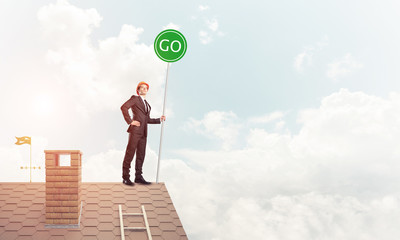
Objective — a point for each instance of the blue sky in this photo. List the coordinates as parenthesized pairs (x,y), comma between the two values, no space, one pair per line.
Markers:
(257,51)
(282,117)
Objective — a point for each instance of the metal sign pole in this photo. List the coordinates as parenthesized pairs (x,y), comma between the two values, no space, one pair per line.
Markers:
(162,124)
(168,52)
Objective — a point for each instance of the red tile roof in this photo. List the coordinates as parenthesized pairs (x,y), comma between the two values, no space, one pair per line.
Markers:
(22,212)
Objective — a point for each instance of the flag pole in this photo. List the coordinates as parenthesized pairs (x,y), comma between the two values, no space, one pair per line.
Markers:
(30,166)
(162,124)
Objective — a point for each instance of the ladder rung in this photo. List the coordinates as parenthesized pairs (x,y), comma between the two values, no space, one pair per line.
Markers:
(135,228)
(121,221)
(133,214)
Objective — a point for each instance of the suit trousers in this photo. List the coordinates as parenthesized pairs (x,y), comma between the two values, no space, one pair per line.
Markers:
(136,143)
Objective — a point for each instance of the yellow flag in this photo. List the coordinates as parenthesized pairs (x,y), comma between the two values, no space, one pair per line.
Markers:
(23,140)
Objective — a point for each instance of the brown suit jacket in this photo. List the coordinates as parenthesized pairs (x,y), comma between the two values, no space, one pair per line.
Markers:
(136,104)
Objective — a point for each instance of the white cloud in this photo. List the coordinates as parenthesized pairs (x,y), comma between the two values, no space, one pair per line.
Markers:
(66,26)
(343,67)
(307,216)
(212,24)
(104,76)
(267,117)
(107,166)
(215,124)
(104,166)
(42,104)
(203,7)
(279,125)
(305,58)
(337,178)
(205,37)
(172,26)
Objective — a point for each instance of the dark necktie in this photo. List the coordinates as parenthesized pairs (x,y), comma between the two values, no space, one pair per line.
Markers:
(146,106)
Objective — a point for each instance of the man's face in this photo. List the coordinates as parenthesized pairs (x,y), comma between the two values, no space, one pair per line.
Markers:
(143,90)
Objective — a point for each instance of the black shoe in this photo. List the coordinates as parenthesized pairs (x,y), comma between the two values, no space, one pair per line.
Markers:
(141,180)
(128,182)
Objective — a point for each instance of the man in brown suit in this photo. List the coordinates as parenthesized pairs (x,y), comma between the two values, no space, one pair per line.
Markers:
(137,133)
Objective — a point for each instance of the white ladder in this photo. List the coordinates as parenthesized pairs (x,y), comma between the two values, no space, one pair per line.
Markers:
(121,222)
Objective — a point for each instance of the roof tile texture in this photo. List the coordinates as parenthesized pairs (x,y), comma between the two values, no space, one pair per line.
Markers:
(23,212)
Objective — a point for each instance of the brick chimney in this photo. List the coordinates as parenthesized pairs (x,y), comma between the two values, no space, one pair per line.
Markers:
(63,189)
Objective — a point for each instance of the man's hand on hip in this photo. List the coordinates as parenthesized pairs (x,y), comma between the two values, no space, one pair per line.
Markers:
(135,123)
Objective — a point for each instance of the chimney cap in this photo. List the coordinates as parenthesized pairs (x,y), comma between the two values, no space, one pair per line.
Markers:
(63,151)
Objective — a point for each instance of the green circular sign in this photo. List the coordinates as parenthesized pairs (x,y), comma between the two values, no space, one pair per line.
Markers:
(170,45)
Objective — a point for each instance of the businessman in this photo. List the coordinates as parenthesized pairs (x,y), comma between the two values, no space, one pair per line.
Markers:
(137,133)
